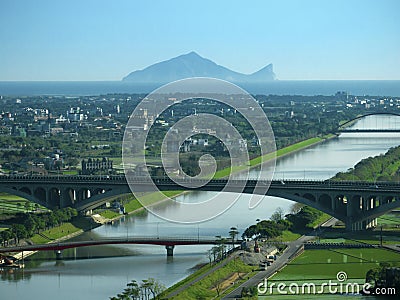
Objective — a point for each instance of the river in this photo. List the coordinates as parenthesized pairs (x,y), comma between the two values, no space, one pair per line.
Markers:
(99,273)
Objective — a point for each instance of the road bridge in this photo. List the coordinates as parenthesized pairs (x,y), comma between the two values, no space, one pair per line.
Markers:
(356,203)
(346,126)
(168,242)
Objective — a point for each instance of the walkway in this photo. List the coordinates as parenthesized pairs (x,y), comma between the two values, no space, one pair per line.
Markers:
(197,279)
(282,260)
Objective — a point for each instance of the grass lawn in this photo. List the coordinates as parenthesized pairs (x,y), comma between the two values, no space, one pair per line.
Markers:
(9,197)
(196,274)
(205,288)
(389,220)
(132,205)
(325,264)
(151,198)
(323,218)
(11,204)
(286,236)
(70,172)
(109,214)
(14,205)
(55,233)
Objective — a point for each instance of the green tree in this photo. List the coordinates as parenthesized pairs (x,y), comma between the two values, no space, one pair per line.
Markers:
(5,236)
(18,232)
(233,232)
(278,215)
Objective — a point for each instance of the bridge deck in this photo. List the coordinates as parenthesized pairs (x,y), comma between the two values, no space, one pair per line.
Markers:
(162,241)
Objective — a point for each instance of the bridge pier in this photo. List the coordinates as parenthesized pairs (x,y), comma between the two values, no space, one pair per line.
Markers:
(361,225)
(170,250)
(58,254)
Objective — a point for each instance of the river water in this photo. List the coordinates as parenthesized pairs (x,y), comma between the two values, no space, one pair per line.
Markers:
(95,273)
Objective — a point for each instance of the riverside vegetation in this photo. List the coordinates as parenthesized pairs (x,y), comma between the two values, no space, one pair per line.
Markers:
(294,120)
(370,265)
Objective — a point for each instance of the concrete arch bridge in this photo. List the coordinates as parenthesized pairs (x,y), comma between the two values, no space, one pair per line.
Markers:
(346,126)
(356,203)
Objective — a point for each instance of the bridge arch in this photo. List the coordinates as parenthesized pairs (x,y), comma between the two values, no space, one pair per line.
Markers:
(309,197)
(83,193)
(40,193)
(26,190)
(19,193)
(308,202)
(325,200)
(342,126)
(99,199)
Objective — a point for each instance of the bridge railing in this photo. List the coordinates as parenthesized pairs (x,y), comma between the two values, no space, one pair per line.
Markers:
(165,180)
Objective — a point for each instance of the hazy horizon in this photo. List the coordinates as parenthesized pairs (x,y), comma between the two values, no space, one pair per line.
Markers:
(104,41)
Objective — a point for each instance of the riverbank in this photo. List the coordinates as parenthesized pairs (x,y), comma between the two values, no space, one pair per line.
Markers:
(134,206)
(158,197)
(59,233)
(214,280)
(255,162)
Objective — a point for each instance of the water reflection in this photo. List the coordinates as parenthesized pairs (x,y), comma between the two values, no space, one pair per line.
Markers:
(94,273)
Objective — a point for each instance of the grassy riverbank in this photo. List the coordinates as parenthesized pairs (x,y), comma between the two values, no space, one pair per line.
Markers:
(77,225)
(277,154)
(133,205)
(222,280)
(11,204)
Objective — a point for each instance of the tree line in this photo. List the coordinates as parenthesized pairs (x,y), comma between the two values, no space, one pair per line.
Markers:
(272,228)
(384,167)
(148,289)
(26,225)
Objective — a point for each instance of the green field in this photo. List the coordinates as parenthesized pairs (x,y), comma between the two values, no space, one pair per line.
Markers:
(54,233)
(11,204)
(287,236)
(325,264)
(109,214)
(205,288)
(323,218)
(154,197)
(134,204)
(389,220)
(318,267)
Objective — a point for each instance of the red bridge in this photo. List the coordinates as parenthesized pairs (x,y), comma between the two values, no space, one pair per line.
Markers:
(168,242)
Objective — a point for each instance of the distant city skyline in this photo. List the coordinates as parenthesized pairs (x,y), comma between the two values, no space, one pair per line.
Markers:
(98,40)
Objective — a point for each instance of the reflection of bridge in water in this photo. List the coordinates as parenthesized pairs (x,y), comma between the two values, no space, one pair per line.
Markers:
(357,204)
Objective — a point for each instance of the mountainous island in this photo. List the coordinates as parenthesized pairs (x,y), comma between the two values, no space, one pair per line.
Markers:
(193,65)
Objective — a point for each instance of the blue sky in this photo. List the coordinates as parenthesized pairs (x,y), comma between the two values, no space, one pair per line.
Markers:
(105,40)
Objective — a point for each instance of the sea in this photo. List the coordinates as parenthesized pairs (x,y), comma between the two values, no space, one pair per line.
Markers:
(278,87)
